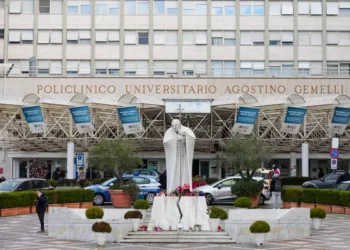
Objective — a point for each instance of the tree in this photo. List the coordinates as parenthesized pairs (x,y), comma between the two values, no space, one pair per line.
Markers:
(243,155)
(118,156)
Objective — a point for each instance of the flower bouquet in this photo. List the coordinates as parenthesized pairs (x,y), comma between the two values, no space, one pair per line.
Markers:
(157,229)
(144,228)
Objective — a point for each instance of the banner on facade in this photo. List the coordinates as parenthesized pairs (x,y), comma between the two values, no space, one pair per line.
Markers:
(185,107)
(293,120)
(130,119)
(340,120)
(246,118)
(82,119)
(35,119)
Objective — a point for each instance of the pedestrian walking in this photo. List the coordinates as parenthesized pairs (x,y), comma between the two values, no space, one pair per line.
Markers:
(320,173)
(41,206)
(276,189)
(276,170)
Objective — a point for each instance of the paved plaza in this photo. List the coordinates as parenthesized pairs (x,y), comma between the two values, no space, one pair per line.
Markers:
(20,233)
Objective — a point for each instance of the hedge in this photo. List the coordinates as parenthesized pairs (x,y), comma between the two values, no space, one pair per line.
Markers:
(296,181)
(75,182)
(291,194)
(27,198)
(308,195)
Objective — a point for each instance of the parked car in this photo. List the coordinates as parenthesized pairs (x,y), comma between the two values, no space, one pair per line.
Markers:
(220,191)
(327,181)
(149,188)
(142,172)
(24,185)
(343,186)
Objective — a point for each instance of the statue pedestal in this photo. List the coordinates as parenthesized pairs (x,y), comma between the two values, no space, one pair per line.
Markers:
(165,213)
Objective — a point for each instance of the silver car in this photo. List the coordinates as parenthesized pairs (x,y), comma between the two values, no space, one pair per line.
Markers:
(220,191)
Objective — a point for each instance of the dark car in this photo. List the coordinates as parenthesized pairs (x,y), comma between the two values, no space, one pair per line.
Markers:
(343,186)
(24,185)
(327,181)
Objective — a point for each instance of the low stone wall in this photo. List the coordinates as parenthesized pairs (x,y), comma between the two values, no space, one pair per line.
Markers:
(284,223)
(65,223)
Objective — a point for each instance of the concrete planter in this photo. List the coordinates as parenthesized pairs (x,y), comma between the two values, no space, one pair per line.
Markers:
(135,224)
(327,208)
(259,239)
(5,212)
(100,238)
(347,210)
(24,210)
(291,204)
(307,205)
(214,224)
(317,223)
(338,210)
(85,204)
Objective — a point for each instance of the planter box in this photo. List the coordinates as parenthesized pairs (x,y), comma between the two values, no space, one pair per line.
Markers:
(86,204)
(33,209)
(338,210)
(9,212)
(24,210)
(255,200)
(291,204)
(72,205)
(53,205)
(347,210)
(307,205)
(327,208)
(120,199)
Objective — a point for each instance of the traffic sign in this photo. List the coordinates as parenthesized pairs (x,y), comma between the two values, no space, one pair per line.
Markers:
(334,163)
(334,153)
(80,160)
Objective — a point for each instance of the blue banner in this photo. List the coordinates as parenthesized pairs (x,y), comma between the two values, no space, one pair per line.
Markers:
(130,119)
(34,118)
(247,115)
(341,115)
(295,115)
(82,119)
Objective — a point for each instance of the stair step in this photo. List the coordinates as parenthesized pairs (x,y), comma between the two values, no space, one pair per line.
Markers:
(148,233)
(214,241)
(175,237)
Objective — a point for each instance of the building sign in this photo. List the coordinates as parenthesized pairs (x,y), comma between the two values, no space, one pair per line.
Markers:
(340,120)
(187,107)
(130,119)
(246,118)
(79,159)
(35,119)
(82,119)
(293,120)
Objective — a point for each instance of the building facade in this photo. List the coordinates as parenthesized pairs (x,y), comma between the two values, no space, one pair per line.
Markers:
(174,50)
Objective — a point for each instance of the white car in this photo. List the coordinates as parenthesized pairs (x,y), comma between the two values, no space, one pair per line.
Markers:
(220,191)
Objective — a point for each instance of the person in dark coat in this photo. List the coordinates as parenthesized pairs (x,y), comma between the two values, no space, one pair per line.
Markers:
(320,173)
(346,176)
(2,179)
(41,206)
(162,180)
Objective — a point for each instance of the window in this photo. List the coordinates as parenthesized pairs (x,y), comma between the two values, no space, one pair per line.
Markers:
(49,36)
(227,183)
(37,184)
(21,7)
(78,37)
(310,8)
(24,186)
(109,7)
(194,37)
(194,68)
(338,38)
(165,7)
(136,68)
(227,38)
(136,7)
(284,38)
(20,67)
(50,6)
(194,8)
(252,38)
(255,8)
(161,68)
(78,67)
(165,37)
(281,8)
(313,38)
(136,37)
(107,36)
(249,68)
(281,68)
(338,8)
(2,35)
(46,67)
(343,186)
(107,68)
(223,68)
(338,68)
(82,7)
(226,8)
(21,36)
(310,68)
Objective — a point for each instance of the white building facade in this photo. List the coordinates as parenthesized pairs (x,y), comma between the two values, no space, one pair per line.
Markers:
(174,50)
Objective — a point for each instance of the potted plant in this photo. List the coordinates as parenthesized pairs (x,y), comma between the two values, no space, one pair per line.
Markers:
(135,216)
(142,205)
(216,214)
(259,228)
(248,188)
(291,197)
(196,228)
(122,196)
(243,203)
(317,215)
(117,156)
(94,213)
(101,230)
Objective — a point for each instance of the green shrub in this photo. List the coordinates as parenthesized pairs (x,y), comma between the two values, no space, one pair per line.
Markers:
(345,198)
(243,202)
(211,180)
(9,200)
(94,213)
(291,194)
(52,183)
(308,195)
(295,181)
(327,197)
(26,198)
(133,214)
(101,227)
(88,195)
(318,213)
(218,213)
(259,226)
(141,204)
(70,195)
(244,188)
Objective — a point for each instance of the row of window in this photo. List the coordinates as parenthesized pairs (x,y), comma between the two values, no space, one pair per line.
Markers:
(169,37)
(189,68)
(141,7)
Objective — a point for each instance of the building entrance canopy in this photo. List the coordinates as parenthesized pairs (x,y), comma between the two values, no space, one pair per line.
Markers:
(209,128)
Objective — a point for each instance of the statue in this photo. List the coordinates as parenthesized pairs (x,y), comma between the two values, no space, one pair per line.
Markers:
(179,147)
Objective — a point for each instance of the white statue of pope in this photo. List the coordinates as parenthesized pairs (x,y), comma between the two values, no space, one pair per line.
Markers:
(179,148)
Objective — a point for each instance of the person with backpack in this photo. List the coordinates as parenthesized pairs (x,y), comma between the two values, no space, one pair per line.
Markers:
(41,205)
(276,170)
(276,189)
